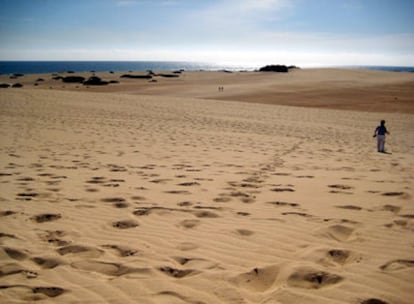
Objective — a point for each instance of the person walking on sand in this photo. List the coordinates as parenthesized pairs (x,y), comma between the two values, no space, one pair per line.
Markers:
(379,133)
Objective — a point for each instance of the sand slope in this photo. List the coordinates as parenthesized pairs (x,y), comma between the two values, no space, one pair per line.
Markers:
(110,198)
(351,89)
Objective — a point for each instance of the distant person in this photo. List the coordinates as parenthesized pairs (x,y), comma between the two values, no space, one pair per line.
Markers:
(379,133)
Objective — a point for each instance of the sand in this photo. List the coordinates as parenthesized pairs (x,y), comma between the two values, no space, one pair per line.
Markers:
(134,193)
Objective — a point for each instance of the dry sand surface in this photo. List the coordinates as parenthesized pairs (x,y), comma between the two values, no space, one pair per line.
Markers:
(131,198)
(351,89)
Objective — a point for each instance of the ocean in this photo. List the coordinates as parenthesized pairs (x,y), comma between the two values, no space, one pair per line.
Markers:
(40,67)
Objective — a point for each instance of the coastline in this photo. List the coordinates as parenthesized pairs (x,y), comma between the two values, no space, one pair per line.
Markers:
(43,67)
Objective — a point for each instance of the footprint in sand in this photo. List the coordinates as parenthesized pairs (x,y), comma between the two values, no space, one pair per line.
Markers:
(118,202)
(15,254)
(50,292)
(282,189)
(189,184)
(373,301)
(125,224)
(258,279)
(401,195)
(27,196)
(339,256)
(242,213)
(54,237)
(205,214)
(96,180)
(400,223)
(122,250)
(177,273)
(167,295)
(409,216)
(189,223)
(393,193)
(113,200)
(177,192)
(332,257)
(160,181)
(391,208)
(47,263)
(25,179)
(46,217)
(340,233)
(340,187)
(223,198)
(138,198)
(243,185)
(7,235)
(281,174)
(7,213)
(309,278)
(399,264)
(184,204)
(349,207)
(302,214)
(12,269)
(283,204)
(80,250)
(187,246)
(5,174)
(244,197)
(110,269)
(244,232)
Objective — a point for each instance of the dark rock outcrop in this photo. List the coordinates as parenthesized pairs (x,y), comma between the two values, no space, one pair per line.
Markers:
(4,85)
(136,76)
(17,85)
(16,75)
(274,68)
(73,79)
(168,75)
(95,81)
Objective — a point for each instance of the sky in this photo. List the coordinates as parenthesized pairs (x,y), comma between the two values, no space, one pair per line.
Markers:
(239,32)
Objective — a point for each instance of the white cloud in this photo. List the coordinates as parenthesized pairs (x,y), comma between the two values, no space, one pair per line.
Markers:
(239,15)
(228,56)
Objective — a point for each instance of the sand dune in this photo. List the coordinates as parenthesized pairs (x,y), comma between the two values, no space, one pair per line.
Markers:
(125,198)
(350,89)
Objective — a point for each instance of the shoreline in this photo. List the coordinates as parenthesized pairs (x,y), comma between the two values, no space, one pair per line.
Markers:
(10,67)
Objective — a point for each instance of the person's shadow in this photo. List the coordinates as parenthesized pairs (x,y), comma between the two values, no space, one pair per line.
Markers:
(385,152)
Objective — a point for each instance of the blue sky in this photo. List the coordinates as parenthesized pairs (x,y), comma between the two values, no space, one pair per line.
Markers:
(300,32)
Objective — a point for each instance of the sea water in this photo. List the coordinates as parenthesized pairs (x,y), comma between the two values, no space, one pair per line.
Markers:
(40,67)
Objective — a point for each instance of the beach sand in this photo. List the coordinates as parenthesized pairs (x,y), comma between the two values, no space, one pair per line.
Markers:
(174,192)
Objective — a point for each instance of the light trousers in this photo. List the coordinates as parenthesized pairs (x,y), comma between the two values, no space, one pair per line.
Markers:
(381,143)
